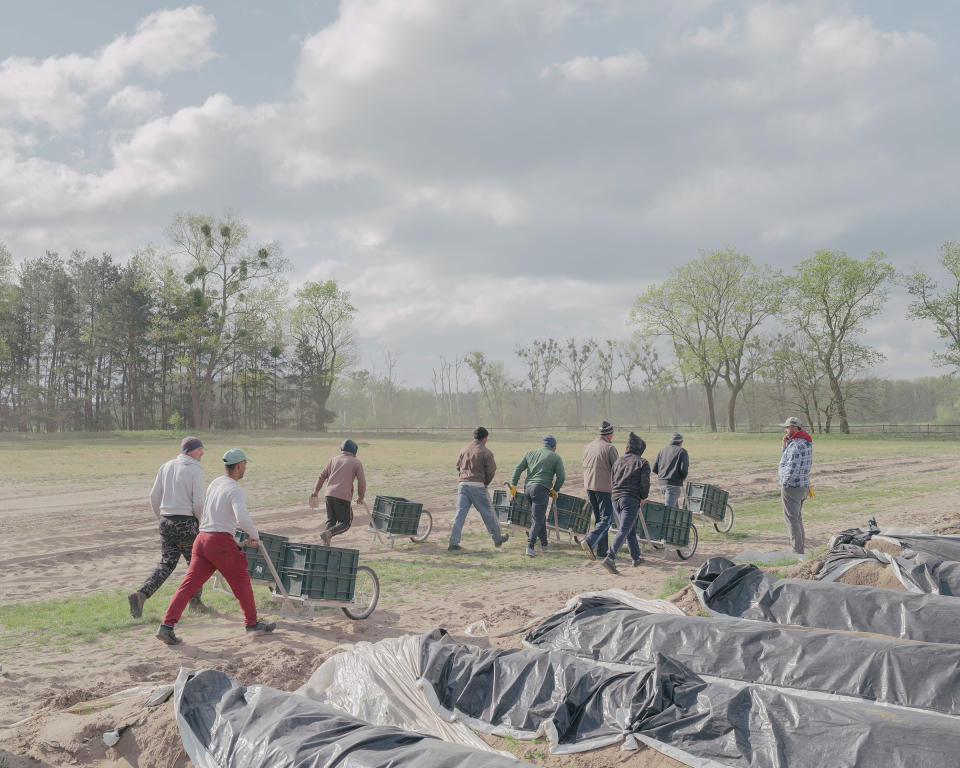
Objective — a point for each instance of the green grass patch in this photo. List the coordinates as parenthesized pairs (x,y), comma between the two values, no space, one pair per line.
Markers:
(677,581)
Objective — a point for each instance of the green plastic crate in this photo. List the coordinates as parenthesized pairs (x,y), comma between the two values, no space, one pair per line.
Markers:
(256,564)
(573,513)
(668,523)
(707,500)
(310,557)
(396,515)
(515,511)
(319,584)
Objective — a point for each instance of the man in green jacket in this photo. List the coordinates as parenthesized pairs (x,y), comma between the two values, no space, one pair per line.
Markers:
(542,466)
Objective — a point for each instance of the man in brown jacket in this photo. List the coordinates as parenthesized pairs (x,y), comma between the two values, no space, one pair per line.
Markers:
(341,471)
(476,469)
(598,460)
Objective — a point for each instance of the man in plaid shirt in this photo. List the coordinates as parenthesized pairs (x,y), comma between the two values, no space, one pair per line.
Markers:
(796,458)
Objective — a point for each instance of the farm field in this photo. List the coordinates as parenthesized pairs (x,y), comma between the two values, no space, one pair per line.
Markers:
(76,535)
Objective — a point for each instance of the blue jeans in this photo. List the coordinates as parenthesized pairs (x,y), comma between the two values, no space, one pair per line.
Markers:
(539,501)
(672,494)
(468,495)
(602,503)
(627,509)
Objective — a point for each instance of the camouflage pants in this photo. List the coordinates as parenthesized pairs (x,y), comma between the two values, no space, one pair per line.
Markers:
(176,539)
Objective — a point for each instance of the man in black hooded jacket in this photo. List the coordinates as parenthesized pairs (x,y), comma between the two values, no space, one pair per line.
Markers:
(631,486)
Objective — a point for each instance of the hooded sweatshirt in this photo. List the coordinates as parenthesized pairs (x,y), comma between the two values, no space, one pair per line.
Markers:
(631,472)
(179,488)
(796,459)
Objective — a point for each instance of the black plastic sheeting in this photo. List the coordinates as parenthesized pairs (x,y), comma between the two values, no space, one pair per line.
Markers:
(747,592)
(702,723)
(905,673)
(223,725)
(917,571)
(944,547)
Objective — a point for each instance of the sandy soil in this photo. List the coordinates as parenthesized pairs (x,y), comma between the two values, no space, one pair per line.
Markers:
(55,544)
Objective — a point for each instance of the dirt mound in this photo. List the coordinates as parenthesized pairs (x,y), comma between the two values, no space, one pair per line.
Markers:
(887,547)
(808,569)
(686,600)
(279,667)
(872,574)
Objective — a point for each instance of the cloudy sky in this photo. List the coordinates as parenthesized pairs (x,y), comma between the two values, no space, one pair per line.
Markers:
(480,173)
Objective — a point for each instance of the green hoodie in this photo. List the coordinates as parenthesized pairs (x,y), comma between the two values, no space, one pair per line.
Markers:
(541,465)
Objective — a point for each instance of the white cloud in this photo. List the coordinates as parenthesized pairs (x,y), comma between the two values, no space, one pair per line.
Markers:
(134,101)
(55,91)
(590,69)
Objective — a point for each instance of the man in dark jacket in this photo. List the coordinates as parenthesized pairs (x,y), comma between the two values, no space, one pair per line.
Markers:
(631,486)
(475,469)
(671,467)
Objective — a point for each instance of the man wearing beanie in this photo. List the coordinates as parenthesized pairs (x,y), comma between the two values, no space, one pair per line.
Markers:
(177,501)
(475,468)
(341,471)
(598,460)
(542,466)
(671,467)
(631,486)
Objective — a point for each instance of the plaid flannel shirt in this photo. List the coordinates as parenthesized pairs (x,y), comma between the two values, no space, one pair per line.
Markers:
(795,463)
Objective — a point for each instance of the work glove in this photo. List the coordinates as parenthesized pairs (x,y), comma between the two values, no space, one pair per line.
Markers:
(512,489)
(810,493)
(553,494)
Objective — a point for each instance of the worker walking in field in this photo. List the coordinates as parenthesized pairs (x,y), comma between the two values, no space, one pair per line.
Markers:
(339,474)
(177,501)
(796,459)
(671,467)
(631,487)
(215,549)
(545,476)
(598,460)
(475,469)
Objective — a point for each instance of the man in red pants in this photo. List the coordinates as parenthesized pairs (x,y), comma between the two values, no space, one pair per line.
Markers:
(214,549)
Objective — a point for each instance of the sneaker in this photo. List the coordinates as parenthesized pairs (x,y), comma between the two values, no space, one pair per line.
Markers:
(454,548)
(503,539)
(608,564)
(165,635)
(136,600)
(588,549)
(544,548)
(198,606)
(325,538)
(263,626)
(638,562)
(529,552)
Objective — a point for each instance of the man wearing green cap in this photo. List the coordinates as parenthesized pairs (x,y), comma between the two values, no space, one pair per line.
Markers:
(541,465)
(341,471)
(215,549)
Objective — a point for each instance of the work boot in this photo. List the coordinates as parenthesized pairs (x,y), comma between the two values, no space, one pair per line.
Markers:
(197,605)
(165,635)
(638,562)
(544,548)
(503,539)
(609,565)
(529,552)
(585,546)
(136,600)
(454,548)
(262,627)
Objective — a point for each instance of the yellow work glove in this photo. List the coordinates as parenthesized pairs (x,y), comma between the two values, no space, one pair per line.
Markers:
(553,494)
(512,490)
(810,493)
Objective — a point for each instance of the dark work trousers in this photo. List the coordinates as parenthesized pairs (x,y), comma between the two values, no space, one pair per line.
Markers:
(176,538)
(627,510)
(539,501)
(602,504)
(338,516)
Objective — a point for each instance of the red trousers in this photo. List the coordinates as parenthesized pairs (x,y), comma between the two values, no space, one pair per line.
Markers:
(214,552)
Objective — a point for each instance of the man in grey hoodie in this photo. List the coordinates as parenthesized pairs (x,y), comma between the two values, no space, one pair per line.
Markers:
(671,467)
(177,501)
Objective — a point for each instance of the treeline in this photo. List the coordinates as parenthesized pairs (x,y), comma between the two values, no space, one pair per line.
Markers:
(206,335)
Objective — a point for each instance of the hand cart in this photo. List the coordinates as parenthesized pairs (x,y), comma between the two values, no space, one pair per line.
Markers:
(709,503)
(565,514)
(395,516)
(671,527)
(312,576)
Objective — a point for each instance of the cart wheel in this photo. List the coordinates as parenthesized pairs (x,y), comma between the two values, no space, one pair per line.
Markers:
(687,552)
(727,523)
(423,527)
(365,594)
(576,539)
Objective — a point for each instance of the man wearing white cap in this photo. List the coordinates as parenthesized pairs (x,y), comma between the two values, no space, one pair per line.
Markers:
(215,549)
(796,459)
(177,501)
